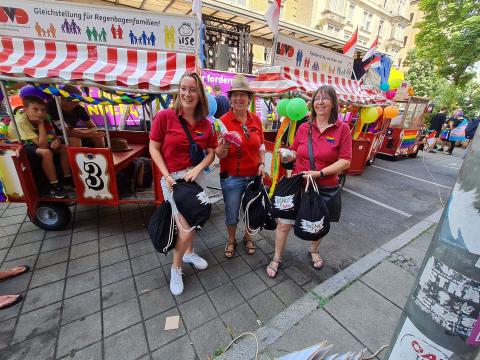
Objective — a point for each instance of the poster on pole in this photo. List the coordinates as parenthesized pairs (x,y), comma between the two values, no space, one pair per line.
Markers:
(110,26)
(294,53)
(413,344)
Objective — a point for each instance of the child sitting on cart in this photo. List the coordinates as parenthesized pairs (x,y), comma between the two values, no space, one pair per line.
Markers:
(75,114)
(39,139)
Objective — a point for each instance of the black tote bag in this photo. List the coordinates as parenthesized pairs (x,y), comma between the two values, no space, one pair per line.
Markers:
(286,197)
(162,228)
(313,220)
(253,206)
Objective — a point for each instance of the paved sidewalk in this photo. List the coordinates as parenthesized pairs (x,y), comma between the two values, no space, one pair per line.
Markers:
(356,309)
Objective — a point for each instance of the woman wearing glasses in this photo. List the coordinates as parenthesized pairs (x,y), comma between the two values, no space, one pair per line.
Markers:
(239,164)
(170,150)
(332,153)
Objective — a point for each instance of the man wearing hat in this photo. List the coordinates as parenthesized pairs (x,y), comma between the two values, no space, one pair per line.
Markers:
(239,164)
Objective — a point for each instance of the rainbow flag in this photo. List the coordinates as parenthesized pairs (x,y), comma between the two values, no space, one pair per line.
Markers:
(330,139)
(458,133)
(409,137)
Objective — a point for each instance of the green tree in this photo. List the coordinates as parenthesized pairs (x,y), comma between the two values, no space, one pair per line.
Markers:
(421,74)
(450,37)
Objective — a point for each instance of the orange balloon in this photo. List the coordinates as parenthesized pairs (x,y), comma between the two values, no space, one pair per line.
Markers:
(390,112)
(379,110)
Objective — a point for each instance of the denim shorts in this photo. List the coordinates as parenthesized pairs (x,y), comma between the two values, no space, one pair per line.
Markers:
(233,188)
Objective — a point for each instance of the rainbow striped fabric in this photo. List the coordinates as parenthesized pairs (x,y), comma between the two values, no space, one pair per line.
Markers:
(330,139)
(409,137)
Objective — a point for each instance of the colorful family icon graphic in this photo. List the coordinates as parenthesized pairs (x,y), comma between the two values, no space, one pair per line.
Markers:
(169,37)
(71,27)
(94,35)
(299,58)
(49,31)
(117,33)
(142,39)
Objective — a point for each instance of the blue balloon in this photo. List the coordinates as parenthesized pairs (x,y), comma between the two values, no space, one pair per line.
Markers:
(212,105)
(384,86)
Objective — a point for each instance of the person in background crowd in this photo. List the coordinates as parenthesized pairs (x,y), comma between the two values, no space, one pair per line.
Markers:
(74,115)
(38,135)
(332,150)
(223,106)
(170,150)
(266,107)
(436,124)
(452,123)
(239,165)
(7,301)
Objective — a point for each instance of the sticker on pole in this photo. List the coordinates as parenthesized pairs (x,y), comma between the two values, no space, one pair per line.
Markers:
(449,298)
(413,344)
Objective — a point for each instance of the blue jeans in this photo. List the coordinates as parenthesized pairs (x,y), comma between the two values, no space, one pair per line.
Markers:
(233,188)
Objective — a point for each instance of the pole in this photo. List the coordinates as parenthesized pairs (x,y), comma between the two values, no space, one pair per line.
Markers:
(62,119)
(439,320)
(274,50)
(9,109)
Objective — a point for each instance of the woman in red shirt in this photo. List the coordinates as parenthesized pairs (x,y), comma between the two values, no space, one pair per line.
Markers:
(170,150)
(332,150)
(239,164)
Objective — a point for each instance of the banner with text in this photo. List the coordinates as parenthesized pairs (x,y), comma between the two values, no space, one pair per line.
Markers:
(112,26)
(291,52)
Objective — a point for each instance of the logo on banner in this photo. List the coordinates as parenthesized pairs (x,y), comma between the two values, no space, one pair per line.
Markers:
(15,15)
(186,37)
(94,175)
(285,49)
(169,37)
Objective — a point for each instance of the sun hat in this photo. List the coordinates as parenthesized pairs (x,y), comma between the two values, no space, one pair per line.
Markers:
(119,145)
(240,83)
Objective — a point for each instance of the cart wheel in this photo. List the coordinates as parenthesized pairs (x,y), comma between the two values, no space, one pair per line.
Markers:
(414,155)
(52,216)
(342,179)
(371,161)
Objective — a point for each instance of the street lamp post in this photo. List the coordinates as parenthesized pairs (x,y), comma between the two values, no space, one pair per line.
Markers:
(440,318)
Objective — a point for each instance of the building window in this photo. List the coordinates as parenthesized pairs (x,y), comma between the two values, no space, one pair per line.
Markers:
(405,39)
(385,3)
(351,10)
(411,17)
(380,27)
(332,30)
(399,62)
(366,20)
(336,6)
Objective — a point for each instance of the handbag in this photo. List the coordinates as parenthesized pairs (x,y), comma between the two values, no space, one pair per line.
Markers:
(253,206)
(162,228)
(313,219)
(196,152)
(286,197)
(331,195)
(192,202)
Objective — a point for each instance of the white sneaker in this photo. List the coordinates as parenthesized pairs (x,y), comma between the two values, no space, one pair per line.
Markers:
(176,281)
(197,261)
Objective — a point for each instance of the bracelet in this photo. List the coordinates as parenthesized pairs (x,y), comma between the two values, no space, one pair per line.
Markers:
(168,176)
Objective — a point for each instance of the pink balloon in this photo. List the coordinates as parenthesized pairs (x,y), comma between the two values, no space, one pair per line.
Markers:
(390,94)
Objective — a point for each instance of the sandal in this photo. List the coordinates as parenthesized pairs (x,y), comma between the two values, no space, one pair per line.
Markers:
(319,261)
(229,249)
(16,271)
(250,246)
(7,301)
(274,260)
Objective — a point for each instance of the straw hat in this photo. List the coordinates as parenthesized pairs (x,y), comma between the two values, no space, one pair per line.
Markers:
(240,83)
(120,144)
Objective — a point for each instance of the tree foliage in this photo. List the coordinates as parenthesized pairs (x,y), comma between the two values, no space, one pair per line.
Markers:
(421,74)
(450,37)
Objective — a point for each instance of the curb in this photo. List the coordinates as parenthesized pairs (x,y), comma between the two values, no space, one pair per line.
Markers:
(284,321)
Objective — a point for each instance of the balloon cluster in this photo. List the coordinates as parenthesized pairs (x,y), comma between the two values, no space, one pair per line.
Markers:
(394,81)
(295,109)
(3,130)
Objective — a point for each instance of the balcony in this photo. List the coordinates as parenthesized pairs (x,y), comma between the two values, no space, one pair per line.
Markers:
(400,19)
(395,43)
(330,17)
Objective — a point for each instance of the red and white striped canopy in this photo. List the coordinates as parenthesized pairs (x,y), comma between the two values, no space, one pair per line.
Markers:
(281,79)
(125,67)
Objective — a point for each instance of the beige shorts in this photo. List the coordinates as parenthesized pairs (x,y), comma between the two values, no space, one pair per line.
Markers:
(286,221)
(168,195)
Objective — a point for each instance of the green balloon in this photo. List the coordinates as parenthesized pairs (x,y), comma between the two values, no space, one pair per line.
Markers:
(394,83)
(297,109)
(282,107)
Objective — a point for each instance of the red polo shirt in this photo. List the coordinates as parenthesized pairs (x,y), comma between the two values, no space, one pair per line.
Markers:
(175,147)
(333,144)
(243,161)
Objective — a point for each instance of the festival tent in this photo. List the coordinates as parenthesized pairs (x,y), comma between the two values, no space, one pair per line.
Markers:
(92,65)
(278,80)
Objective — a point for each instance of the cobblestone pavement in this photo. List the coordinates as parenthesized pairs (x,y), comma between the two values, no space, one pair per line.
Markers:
(99,290)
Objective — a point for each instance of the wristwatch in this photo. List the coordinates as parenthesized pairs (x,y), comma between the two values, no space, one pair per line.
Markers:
(321,174)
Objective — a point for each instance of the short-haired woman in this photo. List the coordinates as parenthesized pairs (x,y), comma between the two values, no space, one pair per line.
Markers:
(332,152)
